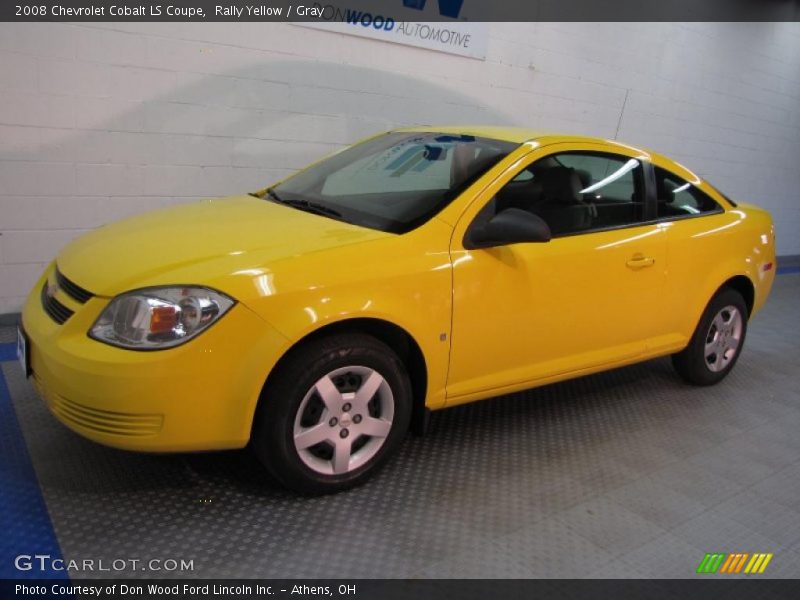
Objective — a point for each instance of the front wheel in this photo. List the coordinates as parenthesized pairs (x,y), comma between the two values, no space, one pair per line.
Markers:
(333,413)
(717,341)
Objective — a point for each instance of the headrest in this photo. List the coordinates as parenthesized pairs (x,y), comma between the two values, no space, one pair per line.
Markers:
(665,190)
(560,184)
(585,177)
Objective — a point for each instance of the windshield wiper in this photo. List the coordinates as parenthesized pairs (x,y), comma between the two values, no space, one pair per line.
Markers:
(274,195)
(313,207)
(306,205)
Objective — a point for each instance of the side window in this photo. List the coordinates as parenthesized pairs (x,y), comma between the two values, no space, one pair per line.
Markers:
(576,192)
(677,197)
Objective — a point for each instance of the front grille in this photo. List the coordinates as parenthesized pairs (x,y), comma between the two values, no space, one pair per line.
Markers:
(57,311)
(104,421)
(73,290)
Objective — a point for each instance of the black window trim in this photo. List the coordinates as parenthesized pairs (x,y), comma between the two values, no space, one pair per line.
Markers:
(650,199)
(649,194)
(650,203)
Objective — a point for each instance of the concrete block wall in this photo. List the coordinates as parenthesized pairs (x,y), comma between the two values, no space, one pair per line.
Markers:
(102,121)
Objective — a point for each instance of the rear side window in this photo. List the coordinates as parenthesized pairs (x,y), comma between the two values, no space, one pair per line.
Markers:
(679,198)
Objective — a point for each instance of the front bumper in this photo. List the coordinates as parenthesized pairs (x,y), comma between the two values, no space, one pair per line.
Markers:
(198,396)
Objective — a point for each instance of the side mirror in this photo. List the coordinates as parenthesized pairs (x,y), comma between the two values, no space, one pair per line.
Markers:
(510,226)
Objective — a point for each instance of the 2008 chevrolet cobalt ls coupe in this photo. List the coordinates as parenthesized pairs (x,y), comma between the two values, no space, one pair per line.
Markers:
(320,318)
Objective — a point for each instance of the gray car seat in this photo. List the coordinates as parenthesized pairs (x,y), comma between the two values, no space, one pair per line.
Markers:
(562,205)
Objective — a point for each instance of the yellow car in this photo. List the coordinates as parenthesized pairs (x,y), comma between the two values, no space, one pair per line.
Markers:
(319,319)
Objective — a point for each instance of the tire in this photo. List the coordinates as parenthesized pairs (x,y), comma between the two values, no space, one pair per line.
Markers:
(717,342)
(332,414)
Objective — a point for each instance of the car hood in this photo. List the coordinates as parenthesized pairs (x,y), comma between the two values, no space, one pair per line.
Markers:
(202,241)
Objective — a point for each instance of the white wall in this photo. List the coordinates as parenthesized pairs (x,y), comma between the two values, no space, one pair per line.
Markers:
(102,121)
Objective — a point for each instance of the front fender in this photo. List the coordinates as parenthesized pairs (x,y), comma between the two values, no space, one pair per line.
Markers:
(404,280)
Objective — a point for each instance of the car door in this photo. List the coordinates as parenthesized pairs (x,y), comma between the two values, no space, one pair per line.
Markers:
(526,313)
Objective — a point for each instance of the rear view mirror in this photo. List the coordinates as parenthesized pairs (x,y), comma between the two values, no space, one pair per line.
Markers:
(510,226)
(434,153)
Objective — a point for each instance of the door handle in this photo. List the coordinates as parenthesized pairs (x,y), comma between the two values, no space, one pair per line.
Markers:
(639,261)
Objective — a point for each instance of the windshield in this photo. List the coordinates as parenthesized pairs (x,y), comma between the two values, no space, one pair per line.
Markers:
(395,182)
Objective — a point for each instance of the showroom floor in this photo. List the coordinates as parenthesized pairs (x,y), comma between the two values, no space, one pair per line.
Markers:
(630,473)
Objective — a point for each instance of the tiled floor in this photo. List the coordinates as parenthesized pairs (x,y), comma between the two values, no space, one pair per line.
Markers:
(630,473)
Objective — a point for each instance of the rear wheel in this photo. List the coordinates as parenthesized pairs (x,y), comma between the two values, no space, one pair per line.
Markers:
(335,411)
(717,341)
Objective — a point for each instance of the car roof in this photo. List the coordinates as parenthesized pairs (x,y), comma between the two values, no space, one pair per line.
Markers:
(517,135)
(520,135)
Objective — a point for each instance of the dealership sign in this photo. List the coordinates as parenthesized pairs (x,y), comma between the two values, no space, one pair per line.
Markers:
(453,35)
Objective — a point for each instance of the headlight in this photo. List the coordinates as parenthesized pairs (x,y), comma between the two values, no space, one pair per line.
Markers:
(156,318)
